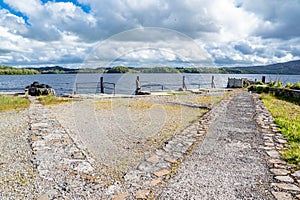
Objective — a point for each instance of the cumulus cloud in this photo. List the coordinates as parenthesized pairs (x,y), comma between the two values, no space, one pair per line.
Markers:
(149,45)
(229,32)
(279,17)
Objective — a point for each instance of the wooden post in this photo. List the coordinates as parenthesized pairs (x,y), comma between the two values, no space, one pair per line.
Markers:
(213,82)
(101,85)
(183,83)
(138,85)
(263,79)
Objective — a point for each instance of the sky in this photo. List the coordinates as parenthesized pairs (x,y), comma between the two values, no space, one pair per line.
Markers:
(135,33)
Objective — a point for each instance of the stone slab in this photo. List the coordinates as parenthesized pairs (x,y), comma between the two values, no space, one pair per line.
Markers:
(287,179)
(286,186)
(282,195)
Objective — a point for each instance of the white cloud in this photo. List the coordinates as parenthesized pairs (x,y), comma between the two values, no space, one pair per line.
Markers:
(30,8)
(232,31)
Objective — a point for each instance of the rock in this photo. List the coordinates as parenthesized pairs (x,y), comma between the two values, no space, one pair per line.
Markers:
(287,179)
(78,155)
(282,195)
(296,174)
(84,167)
(273,154)
(122,196)
(142,194)
(161,172)
(44,197)
(282,141)
(153,159)
(279,172)
(286,186)
(155,182)
(280,166)
(269,144)
(277,161)
(37,89)
(170,160)
(146,167)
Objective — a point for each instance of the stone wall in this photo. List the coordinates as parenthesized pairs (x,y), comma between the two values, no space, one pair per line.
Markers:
(285,92)
(235,82)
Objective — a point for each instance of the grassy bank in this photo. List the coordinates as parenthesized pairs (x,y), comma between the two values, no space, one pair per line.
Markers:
(12,103)
(287,116)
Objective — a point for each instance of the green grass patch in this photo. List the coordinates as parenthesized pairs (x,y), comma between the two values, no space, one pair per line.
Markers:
(12,103)
(53,100)
(287,116)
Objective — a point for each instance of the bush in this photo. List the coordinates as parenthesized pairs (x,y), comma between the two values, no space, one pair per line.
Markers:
(279,84)
(296,86)
(260,83)
(288,85)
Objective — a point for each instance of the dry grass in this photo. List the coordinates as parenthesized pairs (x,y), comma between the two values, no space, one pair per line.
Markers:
(12,103)
(52,100)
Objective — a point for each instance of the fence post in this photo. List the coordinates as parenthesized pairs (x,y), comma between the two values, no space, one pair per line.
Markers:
(263,79)
(101,85)
(183,83)
(213,82)
(138,85)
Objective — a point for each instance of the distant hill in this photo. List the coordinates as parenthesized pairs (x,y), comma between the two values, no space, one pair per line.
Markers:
(7,70)
(290,68)
(63,70)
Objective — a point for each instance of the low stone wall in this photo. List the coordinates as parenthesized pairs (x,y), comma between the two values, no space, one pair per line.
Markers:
(285,92)
(279,92)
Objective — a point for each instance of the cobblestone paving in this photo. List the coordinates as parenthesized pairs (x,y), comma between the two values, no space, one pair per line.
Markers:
(65,169)
(286,179)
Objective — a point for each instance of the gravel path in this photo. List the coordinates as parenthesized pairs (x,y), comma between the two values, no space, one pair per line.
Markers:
(16,171)
(229,163)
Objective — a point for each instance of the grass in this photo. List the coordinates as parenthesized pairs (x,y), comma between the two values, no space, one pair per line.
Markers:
(52,100)
(287,116)
(12,103)
(209,99)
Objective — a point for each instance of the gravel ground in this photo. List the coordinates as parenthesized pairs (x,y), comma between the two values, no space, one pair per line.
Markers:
(229,162)
(118,131)
(16,170)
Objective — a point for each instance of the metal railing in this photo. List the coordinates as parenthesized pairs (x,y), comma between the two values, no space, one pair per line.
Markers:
(163,87)
(95,87)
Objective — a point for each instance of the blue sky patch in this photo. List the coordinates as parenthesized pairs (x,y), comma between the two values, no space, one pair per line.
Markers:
(14,12)
(84,7)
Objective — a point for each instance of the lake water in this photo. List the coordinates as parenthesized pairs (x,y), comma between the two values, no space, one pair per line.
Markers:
(126,83)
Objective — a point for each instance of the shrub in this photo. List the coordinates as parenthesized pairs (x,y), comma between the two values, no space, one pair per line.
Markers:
(296,86)
(288,85)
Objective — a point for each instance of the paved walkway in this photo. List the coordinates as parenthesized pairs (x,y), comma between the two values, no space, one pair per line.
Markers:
(229,163)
